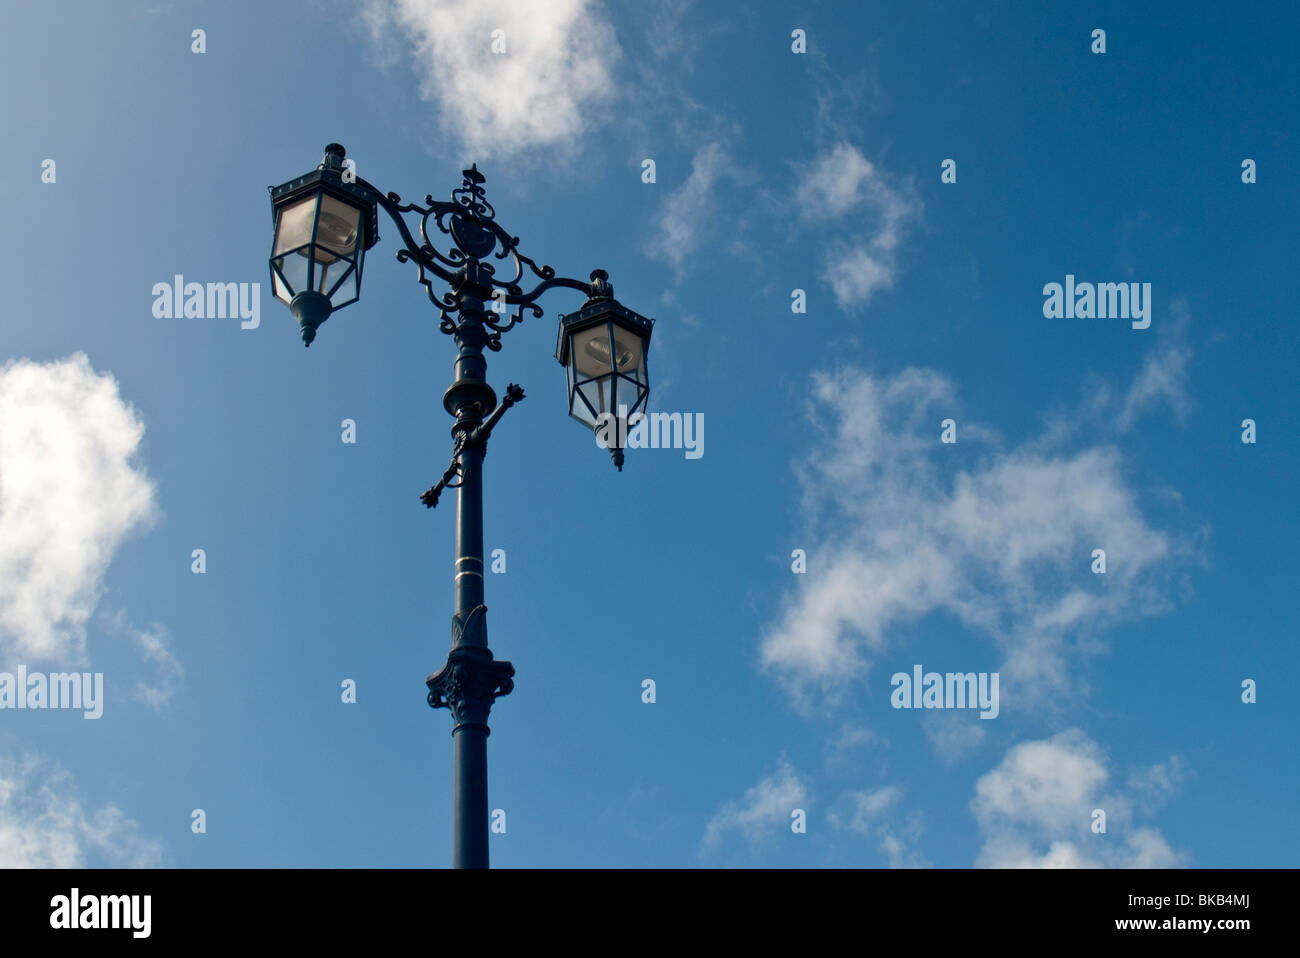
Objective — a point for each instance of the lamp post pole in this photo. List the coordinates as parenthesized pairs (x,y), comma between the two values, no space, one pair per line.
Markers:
(325,220)
(472,678)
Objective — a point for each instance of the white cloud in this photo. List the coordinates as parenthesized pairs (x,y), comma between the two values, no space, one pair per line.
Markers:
(544,91)
(953,733)
(70,493)
(1163,378)
(44,825)
(670,39)
(1153,785)
(854,736)
(871,804)
(1003,545)
(836,182)
(1035,811)
(857,272)
(839,182)
(763,811)
(154,645)
(685,214)
(873,815)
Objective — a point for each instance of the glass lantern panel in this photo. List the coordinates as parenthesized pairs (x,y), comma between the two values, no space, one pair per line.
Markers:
(345,289)
(631,394)
(636,374)
(338,231)
(629,350)
(577,406)
(293,270)
(598,393)
(579,411)
(282,292)
(294,226)
(327,273)
(590,350)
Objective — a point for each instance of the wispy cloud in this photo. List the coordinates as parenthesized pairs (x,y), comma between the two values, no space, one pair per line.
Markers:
(763,812)
(836,182)
(854,736)
(70,492)
(874,815)
(1035,810)
(1001,541)
(841,182)
(558,69)
(1163,379)
(953,733)
(681,225)
(44,825)
(154,645)
(669,38)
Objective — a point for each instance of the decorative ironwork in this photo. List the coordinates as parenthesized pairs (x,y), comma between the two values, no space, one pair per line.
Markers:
(472,624)
(468,222)
(472,195)
(471,680)
(477,436)
(430,496)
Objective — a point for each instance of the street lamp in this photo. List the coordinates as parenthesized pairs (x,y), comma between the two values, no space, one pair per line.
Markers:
(323,227)
(603,347)
(324,223)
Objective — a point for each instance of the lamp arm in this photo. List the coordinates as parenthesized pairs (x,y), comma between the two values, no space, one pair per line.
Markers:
(421,254)
(544,285)
(449,267)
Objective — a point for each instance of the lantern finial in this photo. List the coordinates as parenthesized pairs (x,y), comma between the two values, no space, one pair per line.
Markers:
(601,288)
(335,154)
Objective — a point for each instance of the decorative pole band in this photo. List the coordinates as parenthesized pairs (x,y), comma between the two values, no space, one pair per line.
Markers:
(468,685)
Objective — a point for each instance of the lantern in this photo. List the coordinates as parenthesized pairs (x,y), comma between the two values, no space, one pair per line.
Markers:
(603,347)
(323,227)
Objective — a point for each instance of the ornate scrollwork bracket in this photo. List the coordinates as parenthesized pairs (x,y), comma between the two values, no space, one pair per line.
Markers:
(472,235)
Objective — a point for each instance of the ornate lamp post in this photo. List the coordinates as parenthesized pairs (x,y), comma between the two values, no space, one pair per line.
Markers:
(324,223)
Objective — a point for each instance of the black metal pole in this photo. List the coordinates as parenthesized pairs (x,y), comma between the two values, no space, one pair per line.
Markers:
(472,678)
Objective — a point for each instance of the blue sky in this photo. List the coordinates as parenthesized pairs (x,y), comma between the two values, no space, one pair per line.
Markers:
(127,441)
